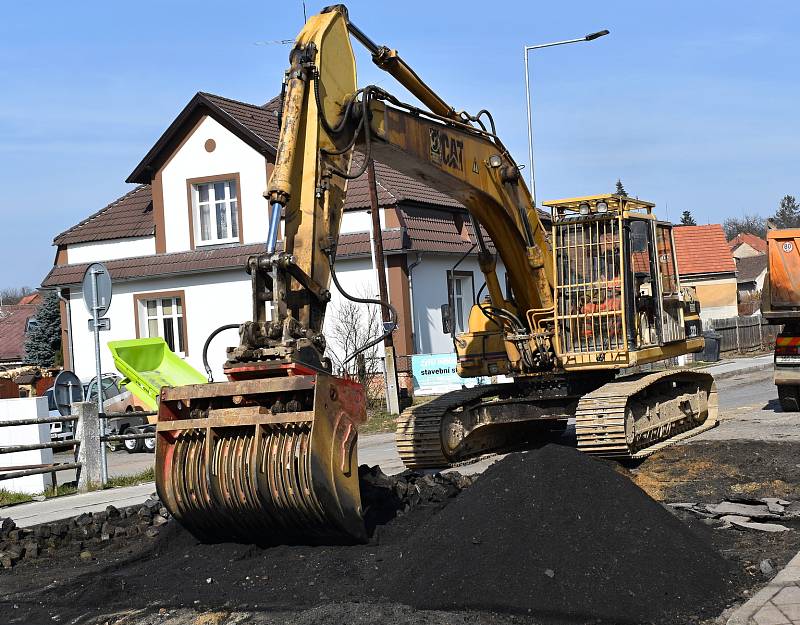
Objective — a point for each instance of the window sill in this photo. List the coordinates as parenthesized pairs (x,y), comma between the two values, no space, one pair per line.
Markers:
(217,243)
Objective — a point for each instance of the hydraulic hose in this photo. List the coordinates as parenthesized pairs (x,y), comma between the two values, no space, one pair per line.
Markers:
(229,326)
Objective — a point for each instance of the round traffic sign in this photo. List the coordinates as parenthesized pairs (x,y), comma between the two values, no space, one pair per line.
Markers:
(67,389)
(97,278)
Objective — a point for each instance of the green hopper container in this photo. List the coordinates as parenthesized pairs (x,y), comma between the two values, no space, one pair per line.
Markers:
(148,365)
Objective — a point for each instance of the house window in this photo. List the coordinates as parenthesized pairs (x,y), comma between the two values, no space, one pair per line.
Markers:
(163,316)
(216,211)
(461,297)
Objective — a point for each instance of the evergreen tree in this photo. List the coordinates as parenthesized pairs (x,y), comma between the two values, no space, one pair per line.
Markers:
(687,219)
(43,341)
(620,189)
(788,213)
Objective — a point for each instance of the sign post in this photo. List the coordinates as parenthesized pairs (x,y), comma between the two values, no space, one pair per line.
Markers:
(97,297)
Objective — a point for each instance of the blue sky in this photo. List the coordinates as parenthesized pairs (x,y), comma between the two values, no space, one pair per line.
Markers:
(693,104)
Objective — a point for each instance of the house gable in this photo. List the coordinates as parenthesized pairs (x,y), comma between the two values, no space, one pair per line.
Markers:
(208,153)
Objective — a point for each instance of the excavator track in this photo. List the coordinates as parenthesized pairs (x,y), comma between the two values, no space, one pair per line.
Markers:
(419,429)
(606,426)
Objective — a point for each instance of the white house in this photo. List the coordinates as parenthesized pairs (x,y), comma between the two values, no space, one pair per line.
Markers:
(176,244)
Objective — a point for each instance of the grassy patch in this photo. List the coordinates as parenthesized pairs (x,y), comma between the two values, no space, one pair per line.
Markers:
(8,497)
(11,497)
(148,475)
(378,421)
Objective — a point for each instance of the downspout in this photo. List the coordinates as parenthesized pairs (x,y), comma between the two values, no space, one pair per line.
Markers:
(411,302)
(69,329)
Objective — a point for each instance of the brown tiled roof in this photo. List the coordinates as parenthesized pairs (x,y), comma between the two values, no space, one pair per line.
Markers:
(757,243)
(393,187)
(159,264)
(750,268)
(208,259)
(703,250)
(432,230)
(260,120)
(358,243)
(12,330)
(129,216)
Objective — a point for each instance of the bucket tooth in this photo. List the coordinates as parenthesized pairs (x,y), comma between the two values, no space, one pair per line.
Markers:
(240,472)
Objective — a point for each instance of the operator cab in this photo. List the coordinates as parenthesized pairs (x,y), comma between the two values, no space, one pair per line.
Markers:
(617,286)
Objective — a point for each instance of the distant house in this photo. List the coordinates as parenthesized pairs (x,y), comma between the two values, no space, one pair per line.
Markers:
(746,245)
(705,262)
(177,243)
(14,320)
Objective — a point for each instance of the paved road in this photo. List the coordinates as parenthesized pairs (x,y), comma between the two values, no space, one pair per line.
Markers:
(749,409)
(119,463)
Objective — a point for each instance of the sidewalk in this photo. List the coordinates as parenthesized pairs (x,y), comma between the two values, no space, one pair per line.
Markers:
(738,366)
(58,508)
(778,603)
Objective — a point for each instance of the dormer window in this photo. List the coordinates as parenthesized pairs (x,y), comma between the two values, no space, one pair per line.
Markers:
(216,212)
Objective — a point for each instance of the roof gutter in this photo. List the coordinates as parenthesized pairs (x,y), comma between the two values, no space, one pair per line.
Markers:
(69,327)
(411,302)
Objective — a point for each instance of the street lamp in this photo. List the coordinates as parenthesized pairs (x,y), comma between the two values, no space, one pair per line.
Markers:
(589,37)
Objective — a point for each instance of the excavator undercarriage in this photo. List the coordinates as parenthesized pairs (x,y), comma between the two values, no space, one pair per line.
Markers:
(630,417)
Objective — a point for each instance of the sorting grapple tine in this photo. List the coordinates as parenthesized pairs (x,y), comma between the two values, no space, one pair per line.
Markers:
(229,468)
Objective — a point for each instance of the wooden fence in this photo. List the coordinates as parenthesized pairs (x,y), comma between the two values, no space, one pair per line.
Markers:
(744,334)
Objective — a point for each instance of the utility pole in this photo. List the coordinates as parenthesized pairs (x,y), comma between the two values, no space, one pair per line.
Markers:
(390,363)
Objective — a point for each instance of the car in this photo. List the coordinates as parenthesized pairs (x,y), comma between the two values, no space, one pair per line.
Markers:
(118,401)
(61,430)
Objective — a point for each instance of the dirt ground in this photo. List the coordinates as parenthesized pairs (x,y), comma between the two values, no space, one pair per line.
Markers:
(171,579)
(707,472)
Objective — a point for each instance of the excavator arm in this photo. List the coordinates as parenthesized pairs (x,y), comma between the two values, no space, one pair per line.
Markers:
(324,120)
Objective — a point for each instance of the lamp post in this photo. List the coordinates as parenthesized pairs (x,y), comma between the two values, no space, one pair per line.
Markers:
(589,37)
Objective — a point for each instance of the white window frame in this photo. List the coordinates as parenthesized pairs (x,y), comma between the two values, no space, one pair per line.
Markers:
(145,318)
(232,223)
(462,302)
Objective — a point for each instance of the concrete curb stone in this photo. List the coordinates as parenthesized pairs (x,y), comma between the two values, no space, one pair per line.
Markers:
(789,576)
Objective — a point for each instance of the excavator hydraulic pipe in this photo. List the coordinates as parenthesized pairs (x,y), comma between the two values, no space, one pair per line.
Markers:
(274,226)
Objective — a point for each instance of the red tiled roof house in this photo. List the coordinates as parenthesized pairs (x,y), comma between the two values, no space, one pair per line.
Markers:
(706,263)
(176,243)
(746,245)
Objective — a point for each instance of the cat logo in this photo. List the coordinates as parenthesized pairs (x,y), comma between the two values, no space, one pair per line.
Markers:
(446,151)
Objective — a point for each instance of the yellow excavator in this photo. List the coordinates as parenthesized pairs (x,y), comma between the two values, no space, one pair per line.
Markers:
(270,455)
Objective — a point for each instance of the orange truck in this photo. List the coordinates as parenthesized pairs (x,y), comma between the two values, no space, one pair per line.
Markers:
(781,305)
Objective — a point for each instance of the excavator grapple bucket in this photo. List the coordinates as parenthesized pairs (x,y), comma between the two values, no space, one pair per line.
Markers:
(264,460)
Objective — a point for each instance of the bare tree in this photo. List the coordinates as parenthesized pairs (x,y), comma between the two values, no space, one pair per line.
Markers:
(12,295)
(754,224)
(352,326)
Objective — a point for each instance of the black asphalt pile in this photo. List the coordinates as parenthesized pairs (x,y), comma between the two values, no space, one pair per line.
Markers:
(562,537)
